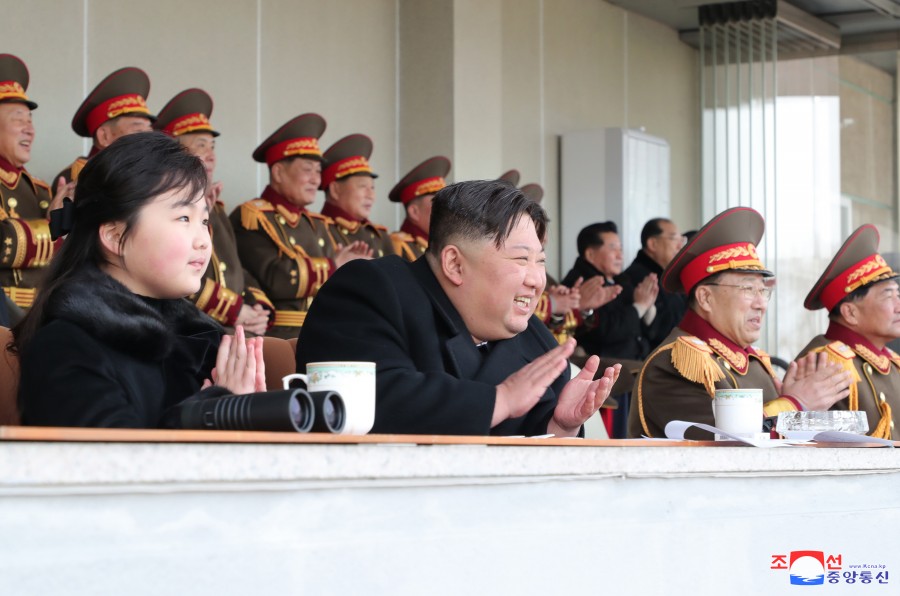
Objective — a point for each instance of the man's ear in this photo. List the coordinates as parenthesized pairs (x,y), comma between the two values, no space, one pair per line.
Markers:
(412,210)
(111,237)
(850,313)
(276,173)
(652,245)
(452,264)
(703,296)
(332,189)
(103,135)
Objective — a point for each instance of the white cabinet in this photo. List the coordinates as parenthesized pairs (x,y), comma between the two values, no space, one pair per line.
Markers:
(611,174)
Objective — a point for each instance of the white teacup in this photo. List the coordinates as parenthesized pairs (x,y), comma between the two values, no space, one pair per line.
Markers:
(739,411)
(355,381)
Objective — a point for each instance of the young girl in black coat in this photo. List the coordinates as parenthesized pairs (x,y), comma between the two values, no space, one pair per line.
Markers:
(110,340)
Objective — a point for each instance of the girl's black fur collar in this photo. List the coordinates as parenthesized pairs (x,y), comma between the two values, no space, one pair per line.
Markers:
(143,327)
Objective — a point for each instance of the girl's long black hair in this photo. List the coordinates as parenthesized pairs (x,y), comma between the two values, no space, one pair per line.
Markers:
(113,187)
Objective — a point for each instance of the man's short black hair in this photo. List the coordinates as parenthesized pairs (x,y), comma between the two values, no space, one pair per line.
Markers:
(592,235)
(709,281)
(858,294)
(480,210)
(652,229)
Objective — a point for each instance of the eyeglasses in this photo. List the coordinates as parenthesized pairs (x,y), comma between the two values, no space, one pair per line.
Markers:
(750,292)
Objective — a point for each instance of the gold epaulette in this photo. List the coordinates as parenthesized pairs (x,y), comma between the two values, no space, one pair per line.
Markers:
(693,359)
(379,228)
(840,353)
(253,217)
(400,241)
(76,168)
(251,211)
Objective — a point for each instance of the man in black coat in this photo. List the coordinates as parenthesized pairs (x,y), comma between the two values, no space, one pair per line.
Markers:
(660,242)
(453,336)
(615,329)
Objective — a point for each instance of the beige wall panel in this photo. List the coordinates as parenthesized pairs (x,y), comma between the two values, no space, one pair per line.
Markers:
(426,81)
(868,77)
(477,85)
(584,65)
(521,80)
(48,36)
(663,99)
(188,44)
(338,59)
(583,86)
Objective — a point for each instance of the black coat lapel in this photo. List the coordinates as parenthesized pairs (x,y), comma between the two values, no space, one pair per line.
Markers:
(460,354)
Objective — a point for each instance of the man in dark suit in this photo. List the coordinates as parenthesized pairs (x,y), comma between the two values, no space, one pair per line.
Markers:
(660,242)
(457,348)
(617,328)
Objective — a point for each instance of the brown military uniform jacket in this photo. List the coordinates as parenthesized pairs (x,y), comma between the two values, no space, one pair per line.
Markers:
(288,251)
(225,287)
(877,372)
(71,172)
(348,230)
(410,242)
(24,233)
(679,379)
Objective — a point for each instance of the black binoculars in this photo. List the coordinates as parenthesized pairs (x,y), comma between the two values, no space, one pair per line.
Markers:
(292,410)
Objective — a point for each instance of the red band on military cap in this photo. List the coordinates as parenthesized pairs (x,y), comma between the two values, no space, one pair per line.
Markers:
(189,123)
(292,147)
(12,90)
(721,258)
(115,107)
(422,187)
(852,278)
(356,164)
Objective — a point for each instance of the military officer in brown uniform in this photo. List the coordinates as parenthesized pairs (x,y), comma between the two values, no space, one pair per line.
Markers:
(289,250)
(24,200)
(860,292)
(116,107)
(711,348)
(415,191)
(225,295)
(349,185)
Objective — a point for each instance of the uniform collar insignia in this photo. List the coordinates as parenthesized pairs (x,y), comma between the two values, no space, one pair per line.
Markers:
(289,211)
(348,225)
(333,211)
(347,221)
(738,358)
(9,174)
(880,359)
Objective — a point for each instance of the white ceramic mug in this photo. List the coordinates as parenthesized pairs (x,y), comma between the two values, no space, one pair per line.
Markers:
(355,381)
(739,411)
